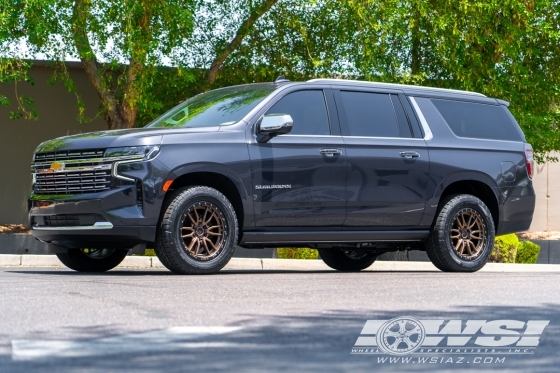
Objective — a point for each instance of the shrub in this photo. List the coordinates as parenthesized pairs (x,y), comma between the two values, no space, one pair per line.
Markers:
(297,253)
(527,252)
(149,252)
(505,249)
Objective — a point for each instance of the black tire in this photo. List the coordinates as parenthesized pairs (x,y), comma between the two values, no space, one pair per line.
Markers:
(448,232)
(90,260)
(198,252)
(347,260)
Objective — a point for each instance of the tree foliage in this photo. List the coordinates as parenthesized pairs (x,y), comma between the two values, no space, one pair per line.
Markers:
(121,44)
(509,49)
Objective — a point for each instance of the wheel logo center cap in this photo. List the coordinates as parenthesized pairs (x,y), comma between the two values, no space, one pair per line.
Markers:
(199,231)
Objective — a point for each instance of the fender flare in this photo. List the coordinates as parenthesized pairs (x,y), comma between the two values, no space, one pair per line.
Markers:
(210,167)
(465,176)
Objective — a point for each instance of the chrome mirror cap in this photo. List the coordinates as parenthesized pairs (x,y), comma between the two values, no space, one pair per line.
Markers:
(276,123)
(273,125)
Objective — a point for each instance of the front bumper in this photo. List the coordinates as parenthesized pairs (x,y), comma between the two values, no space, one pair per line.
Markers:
(117,237)
(109,219)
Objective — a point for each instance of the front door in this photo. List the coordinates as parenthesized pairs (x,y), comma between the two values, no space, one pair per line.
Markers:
(387,167)
(299,179)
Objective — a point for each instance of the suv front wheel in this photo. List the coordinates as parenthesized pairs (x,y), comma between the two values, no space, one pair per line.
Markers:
(198,231)
(462,238)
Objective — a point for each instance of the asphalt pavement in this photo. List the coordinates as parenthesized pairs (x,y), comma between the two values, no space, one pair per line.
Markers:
(149,320)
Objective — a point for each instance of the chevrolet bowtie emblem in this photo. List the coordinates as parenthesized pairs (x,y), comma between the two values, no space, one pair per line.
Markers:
(55,166)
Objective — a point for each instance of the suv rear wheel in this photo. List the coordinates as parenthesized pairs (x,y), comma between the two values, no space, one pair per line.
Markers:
(462,238)
(92,260)
(198,231)
(347,260)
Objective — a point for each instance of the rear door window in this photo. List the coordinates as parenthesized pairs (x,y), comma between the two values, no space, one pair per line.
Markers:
(480,121)
(370,114)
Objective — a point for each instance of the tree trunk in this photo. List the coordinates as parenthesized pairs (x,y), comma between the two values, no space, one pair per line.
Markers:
(415,57)
(242,32)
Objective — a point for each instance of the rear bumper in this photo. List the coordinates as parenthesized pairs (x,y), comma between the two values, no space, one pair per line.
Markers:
(516,213)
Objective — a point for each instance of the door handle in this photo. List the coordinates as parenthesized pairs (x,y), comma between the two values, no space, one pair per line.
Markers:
(410,155)
(330,152)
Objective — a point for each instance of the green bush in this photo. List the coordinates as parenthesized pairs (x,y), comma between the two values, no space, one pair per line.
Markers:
(508,249)
(527,252)
(505,249)
(297,253)
(150,252)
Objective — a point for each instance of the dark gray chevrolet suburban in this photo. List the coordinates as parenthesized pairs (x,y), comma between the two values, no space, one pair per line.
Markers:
(353,169)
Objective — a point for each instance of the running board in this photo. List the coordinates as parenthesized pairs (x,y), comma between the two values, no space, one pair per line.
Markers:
(292,238)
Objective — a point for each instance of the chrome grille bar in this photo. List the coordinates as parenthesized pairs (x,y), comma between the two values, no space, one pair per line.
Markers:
(73,172)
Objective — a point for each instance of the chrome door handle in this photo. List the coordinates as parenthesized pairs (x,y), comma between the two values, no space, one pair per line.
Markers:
(330,152)
(410,155)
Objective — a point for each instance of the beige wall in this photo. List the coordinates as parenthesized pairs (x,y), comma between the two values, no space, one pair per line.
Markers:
(547,187)
(18,138)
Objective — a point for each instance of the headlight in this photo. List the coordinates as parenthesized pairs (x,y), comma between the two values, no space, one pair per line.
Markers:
(140,152)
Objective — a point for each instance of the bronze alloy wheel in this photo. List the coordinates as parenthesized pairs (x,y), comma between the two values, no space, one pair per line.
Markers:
(468,233)
(203,231)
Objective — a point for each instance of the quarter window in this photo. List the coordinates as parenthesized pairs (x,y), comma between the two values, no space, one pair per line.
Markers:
(480,121)
(308,111)
(370,114)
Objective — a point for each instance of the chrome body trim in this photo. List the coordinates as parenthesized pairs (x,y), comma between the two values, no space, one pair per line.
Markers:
(98,225)
(116,166)
(427,131)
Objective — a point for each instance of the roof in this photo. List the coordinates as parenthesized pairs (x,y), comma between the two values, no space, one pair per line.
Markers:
(396,86)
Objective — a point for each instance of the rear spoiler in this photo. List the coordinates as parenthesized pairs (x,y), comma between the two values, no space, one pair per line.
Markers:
(502,102)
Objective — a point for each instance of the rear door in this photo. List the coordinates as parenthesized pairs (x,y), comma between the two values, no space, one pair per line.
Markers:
(387,159)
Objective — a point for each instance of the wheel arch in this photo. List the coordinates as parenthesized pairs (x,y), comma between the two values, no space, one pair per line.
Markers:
(216,176)
(478,185)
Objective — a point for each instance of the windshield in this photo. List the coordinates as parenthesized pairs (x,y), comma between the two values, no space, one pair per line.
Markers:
(220,107)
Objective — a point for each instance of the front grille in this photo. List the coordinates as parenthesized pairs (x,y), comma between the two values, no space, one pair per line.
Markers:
(72,172)
(69,154)
(67,220)
(73,181)
(62,221)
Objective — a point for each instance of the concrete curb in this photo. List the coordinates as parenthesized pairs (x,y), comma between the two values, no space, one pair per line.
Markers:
(252,264)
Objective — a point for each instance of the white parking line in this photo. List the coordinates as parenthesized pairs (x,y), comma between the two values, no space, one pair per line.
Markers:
(157,340)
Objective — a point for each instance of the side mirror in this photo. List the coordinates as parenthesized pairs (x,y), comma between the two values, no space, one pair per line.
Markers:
(273,125)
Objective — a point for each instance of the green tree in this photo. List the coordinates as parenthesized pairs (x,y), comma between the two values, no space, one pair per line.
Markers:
(509,49)
(121,44)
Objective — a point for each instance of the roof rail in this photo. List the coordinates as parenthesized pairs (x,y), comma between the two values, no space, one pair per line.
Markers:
(400,86)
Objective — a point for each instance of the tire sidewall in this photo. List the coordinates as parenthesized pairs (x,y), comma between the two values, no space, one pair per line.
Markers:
(474,204)
(75,259)
(228,245)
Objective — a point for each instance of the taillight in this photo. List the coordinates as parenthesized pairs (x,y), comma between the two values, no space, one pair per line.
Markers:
(529,159)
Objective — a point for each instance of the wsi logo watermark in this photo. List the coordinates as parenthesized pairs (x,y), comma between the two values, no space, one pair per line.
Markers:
(407,335)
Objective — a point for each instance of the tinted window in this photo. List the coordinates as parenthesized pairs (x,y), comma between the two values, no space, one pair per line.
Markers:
(370,114)
(308,111)
(401,116)
(479,121)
